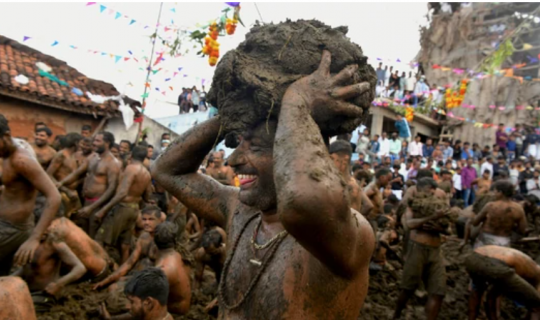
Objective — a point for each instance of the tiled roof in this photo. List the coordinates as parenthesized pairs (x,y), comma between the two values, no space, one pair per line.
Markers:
(18,59)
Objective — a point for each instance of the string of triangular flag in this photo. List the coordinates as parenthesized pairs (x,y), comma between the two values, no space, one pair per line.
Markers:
(172,27)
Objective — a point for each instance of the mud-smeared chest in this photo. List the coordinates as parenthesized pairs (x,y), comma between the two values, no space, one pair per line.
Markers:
(293,281)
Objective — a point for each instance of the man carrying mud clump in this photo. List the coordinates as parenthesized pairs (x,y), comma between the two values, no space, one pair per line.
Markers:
(284,102)
(500,218)
(424,259)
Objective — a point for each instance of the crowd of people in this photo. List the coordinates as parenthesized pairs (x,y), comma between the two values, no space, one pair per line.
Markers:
(289,228)
(192,99)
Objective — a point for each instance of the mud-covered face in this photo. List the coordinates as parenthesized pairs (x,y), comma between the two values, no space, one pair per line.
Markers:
(341,161)
(136,308)
(150,222)
(86,147)
(253,162)
(115,152)
(99,144)
(124,148)
(41,139)
(218,158)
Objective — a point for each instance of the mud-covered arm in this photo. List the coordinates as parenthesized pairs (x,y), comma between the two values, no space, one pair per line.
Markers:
(124,268)
(197,226)
(417,223)
(176,170)
(32,171)
(69,258)
(74,176)
(481,216)
(113,172)
(312,200)
(121,192)
(55,164)
(522,225)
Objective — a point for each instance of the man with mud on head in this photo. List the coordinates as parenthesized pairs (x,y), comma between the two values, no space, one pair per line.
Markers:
(500,218)
(222,173)
(341,152)
(22,177)
(291,193)
(424,259)
(373,192)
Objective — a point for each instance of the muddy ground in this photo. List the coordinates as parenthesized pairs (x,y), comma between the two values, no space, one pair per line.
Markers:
(80,302)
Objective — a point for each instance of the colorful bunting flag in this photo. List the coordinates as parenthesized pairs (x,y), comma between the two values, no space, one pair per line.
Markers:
(55,43)
(144,96)
(26,38)
(102,8)
(90,3)
(118,15)
(132,22)
(117,58)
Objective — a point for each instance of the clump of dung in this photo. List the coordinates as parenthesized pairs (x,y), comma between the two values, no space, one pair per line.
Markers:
(425,204)
(249,82)
(482,201)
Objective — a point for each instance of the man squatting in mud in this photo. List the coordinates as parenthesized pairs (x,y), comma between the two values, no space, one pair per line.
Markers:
(284,191)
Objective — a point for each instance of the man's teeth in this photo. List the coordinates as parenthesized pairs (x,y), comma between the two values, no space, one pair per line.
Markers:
(246,177)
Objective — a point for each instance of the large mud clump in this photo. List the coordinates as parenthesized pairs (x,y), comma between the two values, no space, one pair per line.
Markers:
(424,205)
(250,81)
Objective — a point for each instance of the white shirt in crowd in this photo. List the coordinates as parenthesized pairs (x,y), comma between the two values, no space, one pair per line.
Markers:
(387,77)
(415,148)
(409,83)
(362,145)
(456,178)
(487,166)
(534,187)
(384,149)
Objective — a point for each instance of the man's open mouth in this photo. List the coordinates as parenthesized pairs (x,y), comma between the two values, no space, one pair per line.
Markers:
(246,179)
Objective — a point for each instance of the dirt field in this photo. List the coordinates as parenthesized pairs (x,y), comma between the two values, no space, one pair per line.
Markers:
(80,302)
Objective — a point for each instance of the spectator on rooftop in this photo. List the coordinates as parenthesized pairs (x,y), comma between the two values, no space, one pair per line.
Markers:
(410,83)
(403,83)
(381,73)
(402,126)
(387,77)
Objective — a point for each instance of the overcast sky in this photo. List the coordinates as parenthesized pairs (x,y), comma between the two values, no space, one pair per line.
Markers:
(385,30)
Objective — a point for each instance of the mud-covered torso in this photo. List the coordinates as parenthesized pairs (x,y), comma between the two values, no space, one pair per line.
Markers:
(96,181)
(294,284)
(18,198)
(501,220)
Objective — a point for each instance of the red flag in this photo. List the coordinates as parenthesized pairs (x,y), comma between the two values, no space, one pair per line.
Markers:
(159,58)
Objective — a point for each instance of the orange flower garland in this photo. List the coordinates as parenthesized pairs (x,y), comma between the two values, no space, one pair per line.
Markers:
(409,113)
(455,98)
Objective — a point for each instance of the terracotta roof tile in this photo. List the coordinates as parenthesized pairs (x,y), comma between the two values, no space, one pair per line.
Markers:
(16,58)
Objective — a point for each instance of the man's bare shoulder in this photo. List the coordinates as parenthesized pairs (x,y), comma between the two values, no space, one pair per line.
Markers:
(22,159)
(363,227)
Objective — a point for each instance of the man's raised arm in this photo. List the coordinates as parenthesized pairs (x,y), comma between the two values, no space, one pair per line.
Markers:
(312,198)
(176,170)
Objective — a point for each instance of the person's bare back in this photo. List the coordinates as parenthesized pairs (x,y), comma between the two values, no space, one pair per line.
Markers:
(89,252)
(503,217)
(16,302)
(177,273)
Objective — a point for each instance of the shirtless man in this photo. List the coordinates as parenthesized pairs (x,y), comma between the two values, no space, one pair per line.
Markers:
(101,180)
(341,152)
(170,261)
(16,302)
(120,214)
(44,152)
(373,192)
(85,151)
(144,251)
(509,272)
(223,174)
(22,177)
(483,183)
(43,273)
(63,164)
(284,190)
(147,292)
(124,148)
(212,253)
(424,258)
(500,218)
(94,258)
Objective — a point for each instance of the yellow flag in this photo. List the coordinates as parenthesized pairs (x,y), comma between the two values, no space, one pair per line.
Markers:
(527,46)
